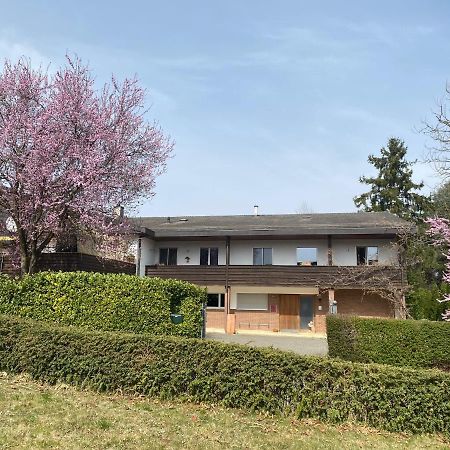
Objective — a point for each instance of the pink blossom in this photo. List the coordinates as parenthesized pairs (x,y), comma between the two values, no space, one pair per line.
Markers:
(70,153)
(440,230)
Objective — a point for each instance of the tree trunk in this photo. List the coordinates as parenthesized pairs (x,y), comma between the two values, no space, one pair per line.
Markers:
(28,263)
(30,253)
(33,263)
(24,264)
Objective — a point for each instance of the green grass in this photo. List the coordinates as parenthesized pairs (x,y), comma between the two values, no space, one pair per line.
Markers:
(34,416)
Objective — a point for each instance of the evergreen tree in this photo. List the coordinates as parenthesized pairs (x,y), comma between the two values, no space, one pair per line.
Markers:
(441,201)
(393,189)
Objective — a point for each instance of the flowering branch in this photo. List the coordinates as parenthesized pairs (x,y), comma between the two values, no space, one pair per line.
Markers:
(440,231)
(69,154)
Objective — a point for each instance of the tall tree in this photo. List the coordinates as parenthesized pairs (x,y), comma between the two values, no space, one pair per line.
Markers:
(439,131)
(69,154)
(439,156)
(392,189)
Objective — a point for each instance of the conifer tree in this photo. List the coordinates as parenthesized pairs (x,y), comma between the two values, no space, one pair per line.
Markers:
(393,189)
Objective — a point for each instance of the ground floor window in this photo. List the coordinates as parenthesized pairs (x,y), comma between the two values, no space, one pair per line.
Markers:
(216,301)
(258,302)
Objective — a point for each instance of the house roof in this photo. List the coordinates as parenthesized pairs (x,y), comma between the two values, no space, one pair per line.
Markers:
(360,223)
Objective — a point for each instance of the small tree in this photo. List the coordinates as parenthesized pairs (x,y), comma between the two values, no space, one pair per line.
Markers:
(440,230)
(70,153)
(392,189)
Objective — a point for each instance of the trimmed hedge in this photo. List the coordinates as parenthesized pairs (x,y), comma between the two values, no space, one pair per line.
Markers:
(386,397)
(410,343)
(105,302)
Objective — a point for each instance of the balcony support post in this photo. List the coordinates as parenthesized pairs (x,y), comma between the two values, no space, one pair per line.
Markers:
(329,250)
(230,319)
(332,306)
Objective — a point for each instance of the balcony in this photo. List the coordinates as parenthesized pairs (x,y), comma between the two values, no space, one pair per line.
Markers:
(317,276)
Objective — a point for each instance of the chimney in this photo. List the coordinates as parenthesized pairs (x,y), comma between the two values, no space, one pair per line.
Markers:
(255,210)
(118,212)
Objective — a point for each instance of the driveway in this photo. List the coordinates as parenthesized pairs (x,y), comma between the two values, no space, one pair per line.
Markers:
(304,345)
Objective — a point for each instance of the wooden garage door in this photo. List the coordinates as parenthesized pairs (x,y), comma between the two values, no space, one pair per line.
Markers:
(289,312)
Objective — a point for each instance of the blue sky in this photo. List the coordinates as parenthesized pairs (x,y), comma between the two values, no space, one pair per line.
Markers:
(276,103)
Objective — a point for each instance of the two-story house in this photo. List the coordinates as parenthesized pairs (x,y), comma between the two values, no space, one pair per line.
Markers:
(278,272)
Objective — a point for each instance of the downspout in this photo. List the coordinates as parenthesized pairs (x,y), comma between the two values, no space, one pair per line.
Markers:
(401,314)
(230,319)
(227,265)
(330,250)
(138,257)
(332,307)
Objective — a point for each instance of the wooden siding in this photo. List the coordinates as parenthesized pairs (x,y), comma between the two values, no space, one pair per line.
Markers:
(318,276)
(72,262)
(289,312)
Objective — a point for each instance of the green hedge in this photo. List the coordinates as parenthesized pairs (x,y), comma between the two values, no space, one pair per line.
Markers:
(105,302)
(413,343)
(391,398)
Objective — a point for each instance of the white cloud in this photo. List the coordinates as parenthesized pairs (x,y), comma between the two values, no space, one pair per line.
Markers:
(425,30)
(291,48)
(14,48)
(386,34)
(160,99)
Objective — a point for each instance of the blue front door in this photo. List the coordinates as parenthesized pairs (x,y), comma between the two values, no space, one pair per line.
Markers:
(306,312)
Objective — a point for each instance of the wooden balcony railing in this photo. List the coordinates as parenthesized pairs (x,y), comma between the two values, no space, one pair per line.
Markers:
(320,276)
(71,262)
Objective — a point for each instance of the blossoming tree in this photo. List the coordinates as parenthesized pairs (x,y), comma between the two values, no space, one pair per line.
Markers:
(70,153)
(439,156)
(440,230)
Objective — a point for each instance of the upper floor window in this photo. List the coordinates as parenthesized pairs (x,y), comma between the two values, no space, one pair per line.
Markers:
(262,256)
(168,256)
(306,256)
(366,256)
(209,256)
(216,301)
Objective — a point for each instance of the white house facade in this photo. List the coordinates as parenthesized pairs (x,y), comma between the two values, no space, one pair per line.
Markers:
(278,272)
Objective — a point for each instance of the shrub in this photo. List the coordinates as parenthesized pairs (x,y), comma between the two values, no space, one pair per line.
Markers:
(422,302)
(391,398)
(413,343)
(108,302)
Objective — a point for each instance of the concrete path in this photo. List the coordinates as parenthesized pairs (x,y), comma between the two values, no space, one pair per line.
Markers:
(304,345)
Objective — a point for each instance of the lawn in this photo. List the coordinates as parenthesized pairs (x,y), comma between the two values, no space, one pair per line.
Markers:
(33,415)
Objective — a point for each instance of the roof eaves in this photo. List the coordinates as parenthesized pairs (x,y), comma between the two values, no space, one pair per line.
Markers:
(275,232)
(145,232)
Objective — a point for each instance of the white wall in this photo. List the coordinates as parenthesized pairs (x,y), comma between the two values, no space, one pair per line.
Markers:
(190,249)
(147,254)
(284,251)
(344,251)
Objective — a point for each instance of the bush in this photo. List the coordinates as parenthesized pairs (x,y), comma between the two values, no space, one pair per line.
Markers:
(413,343)
(107,302)
(391,398)
(422,302)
